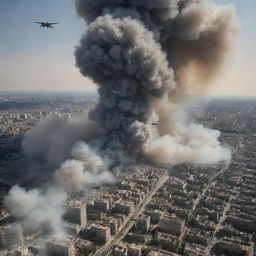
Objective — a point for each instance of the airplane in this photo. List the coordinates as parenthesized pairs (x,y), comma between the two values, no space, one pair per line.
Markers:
(45,24)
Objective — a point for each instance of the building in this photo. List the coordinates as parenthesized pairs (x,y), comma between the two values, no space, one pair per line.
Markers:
(72,229)
(100,233)
(120,250)
(23,116)
(242,224)
(232,248)
(101,205)
(136,238)
(176,183)
(143,224)
(197,236)
(134,250)
(112,223)
(194,250)
(124,207)
(76,213)
(167,242)
(84,247)
(60,247)
(171,225)
(11,237)
(125,185)
(155,215)
(144,182)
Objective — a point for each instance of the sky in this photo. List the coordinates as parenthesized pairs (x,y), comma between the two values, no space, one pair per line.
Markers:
(34,58)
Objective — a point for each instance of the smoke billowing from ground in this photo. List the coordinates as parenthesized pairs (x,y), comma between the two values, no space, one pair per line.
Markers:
(42,210)
(142,54)
(37,210)
(51,140)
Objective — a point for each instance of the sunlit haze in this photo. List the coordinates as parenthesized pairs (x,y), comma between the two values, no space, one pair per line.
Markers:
(34,58)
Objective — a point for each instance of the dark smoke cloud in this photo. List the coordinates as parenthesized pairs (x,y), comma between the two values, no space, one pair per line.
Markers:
(196,35)
(140,52)
(133,69)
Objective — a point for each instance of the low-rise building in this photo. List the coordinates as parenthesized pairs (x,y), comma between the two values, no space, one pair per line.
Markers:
(84,247)
(120,250)
(155,215)
(101,233)
(225,246)
(101,205)
(72,229)
(171,225)
(76,213)
(197,236)
(134,250)
(142,224)
(194,250)
(136,238)
(60,247)
(112,223)
(166,241)
(124,207)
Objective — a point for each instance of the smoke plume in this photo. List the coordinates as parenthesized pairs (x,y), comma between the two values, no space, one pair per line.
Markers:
(142,54)
(37,210)
(42,209)
(51,139)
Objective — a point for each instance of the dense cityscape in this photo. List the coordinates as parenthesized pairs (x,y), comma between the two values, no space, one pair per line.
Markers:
(149,210)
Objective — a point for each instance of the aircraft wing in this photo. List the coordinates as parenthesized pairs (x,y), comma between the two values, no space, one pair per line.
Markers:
(53,23)
(37,22)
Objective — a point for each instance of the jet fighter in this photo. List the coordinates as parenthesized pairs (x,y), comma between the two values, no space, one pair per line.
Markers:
(46,24)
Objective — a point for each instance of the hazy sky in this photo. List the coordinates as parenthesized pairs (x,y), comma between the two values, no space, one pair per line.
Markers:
(37,58)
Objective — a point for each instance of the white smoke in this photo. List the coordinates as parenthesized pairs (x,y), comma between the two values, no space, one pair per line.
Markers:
(182,141)
(45,140)
(86,168)
(42,210)
(37,210)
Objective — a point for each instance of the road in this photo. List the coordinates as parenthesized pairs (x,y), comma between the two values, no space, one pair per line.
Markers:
(223,217)
(197,201)
(107,248)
